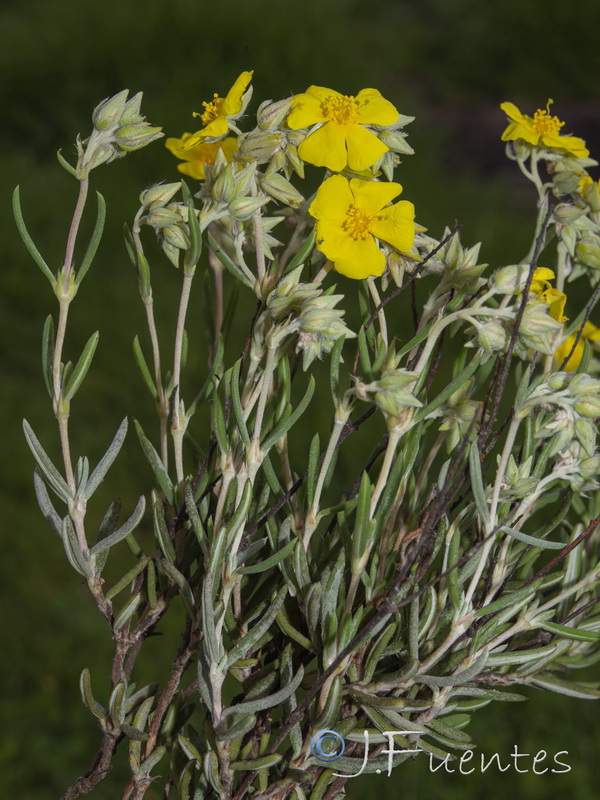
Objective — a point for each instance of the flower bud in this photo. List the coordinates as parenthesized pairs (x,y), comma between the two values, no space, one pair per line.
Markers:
(224,188)
(511,280)
(131,112)
(134,137)
(492,337)
(160,194)
(270,115)
(590,467)
(588,252)
(108,113)
(281,189)
(244,207)
(396,142)
(588,405)
(566,213)
(260,146)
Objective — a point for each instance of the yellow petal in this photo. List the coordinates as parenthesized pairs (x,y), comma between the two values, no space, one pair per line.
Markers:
(233,100)
(512,111)
(396,225)
(326,147)
(372,196)
(364,148)
(572,144)
(194,169)
(556,303)
(563,351)
(517,130)
(333,200)
(306,111)
(361,259)
(332,240)
(591,332)
(218,127)
(373,109)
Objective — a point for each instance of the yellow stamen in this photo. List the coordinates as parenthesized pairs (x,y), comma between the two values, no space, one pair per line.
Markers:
(357,223)
(212,110)
(543,123)
(340,109)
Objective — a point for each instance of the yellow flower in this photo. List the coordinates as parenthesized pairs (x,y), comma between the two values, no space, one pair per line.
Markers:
(541,129)
(217,112)
(341,138)
(200,154)
(351,215)
(590,332)
(543,290)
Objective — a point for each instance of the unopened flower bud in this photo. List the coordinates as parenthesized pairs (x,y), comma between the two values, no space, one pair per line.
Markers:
(511,280)
(566,213)
(224,188)
(108,113)
(131,112)
(281,189)
(270,115)
(160,194)
(133,137)
(397,142)
(588,405)
(260,146)
(492,337)
(244,207)
(590,467)
(588,252)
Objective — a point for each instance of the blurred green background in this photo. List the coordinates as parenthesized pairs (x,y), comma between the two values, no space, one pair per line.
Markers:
(449,63)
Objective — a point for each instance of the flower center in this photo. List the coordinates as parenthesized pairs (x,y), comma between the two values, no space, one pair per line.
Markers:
(340,109)
(212,110)
(357,223)
(543,123)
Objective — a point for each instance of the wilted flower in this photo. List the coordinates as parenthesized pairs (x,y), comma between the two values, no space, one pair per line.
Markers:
(351,215)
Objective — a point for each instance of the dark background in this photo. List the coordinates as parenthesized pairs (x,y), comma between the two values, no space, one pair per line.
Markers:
(448,63)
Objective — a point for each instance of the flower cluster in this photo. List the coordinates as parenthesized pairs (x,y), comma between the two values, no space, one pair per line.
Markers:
(324,128)
(119,128)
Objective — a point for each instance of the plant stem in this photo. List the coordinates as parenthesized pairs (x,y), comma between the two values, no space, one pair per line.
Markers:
(177,428)
(74,229)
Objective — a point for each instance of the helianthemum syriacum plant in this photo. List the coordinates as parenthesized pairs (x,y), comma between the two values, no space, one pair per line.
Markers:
(322,592)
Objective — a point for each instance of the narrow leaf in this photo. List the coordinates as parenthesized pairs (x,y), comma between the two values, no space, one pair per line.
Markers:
(227,262)
(124,530)
(48,511)
(285,425)
(48,353)
(143,367)
(269,562)
(247,642)
(533,540)
(82,366)
(184,588)
(107,459)
(270,700)
(156,464)
(27,240)
(94,240)
(52,475)
(477,483)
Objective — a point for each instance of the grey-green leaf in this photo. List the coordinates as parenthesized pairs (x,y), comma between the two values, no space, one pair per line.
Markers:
(107,459)
(124,530)
(82,366)
(52,475)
